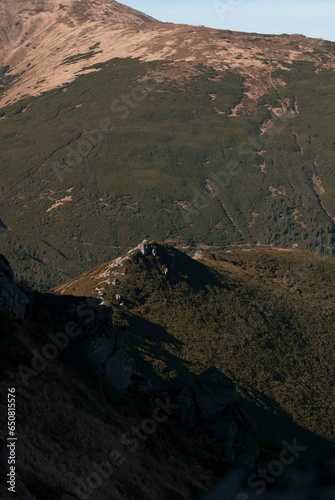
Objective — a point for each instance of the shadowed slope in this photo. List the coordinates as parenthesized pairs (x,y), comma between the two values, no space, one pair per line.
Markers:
(265,318)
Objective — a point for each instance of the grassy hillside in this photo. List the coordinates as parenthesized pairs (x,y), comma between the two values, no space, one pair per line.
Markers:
(264,317)
(170,164)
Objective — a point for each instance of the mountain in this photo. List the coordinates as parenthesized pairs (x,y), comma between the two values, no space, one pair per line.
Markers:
(46,44)
(116,127)
(263,317)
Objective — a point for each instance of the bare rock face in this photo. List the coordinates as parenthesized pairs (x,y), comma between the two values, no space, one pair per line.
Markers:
(12,299)
(100,348)
(211,400)
(106,357)
(152,249)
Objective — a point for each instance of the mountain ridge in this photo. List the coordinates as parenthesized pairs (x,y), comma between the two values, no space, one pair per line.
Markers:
(250,313)
(160,131)
(50,31)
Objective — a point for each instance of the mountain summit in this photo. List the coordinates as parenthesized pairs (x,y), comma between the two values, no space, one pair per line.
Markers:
(36,36)
(46,43)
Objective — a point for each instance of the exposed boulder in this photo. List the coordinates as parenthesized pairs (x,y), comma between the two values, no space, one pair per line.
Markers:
(12,299)
(145,248)
(166,261)
(100,347)
(104,356)
(210,399)
(3,225)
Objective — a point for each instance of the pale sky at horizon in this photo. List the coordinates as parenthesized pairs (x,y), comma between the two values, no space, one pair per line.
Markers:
(308,17)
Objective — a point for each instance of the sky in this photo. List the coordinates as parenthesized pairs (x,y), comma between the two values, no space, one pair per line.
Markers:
(308,17)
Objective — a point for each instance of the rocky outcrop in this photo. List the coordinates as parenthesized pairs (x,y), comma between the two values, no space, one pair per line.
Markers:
(166,262)
(210,399)
(3,225)
(12,299)
(99,348)
(104,356)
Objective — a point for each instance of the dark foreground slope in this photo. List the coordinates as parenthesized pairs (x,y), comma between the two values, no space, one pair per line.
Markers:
(114,398)
(90,423)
